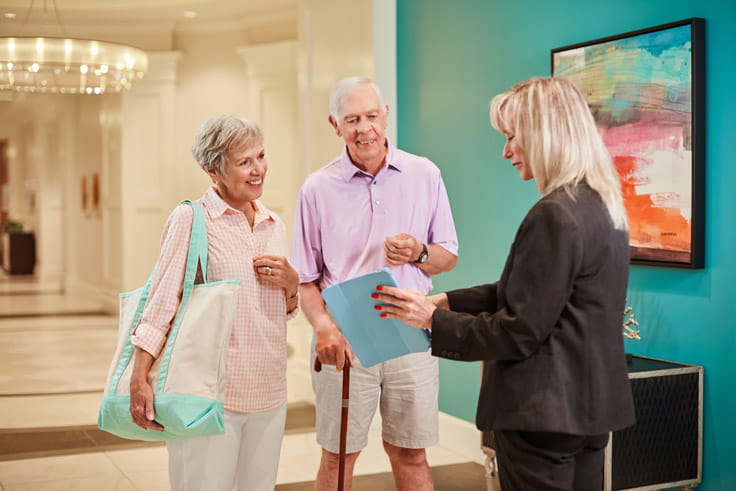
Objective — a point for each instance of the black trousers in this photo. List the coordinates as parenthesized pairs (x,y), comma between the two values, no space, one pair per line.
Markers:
(543,461)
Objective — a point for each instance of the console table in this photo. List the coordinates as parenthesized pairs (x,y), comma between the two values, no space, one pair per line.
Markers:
(664,449)
(19,252)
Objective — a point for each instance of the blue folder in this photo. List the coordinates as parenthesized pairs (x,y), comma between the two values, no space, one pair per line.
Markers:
(374,339)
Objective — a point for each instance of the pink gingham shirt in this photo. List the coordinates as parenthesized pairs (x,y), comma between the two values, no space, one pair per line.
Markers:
(256,357)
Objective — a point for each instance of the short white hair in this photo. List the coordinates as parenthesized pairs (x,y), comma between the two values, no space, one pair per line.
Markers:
(347,86)
(218,134)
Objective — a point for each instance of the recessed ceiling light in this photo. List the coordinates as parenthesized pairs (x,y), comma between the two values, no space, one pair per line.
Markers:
(9,15)
(190,14)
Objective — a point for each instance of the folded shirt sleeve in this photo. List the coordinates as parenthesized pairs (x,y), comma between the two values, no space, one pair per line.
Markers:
(167,285)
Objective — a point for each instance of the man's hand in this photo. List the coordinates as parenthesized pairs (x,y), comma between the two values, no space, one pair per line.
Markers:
(401,249)
(332,348)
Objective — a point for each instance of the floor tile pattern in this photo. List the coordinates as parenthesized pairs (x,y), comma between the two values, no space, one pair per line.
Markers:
(55,350)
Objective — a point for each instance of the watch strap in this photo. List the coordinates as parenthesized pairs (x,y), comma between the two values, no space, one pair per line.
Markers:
(423,256)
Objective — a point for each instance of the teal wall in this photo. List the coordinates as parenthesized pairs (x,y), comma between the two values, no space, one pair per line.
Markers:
(453,56)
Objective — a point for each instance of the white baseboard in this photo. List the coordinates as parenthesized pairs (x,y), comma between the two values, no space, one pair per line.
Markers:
(461,437)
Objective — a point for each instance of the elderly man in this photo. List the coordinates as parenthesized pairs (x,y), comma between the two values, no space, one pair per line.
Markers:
(375,206)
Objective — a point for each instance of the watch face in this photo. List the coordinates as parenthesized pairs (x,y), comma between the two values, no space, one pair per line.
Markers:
(423,256)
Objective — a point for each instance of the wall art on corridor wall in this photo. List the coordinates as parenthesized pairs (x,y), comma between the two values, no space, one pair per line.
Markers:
(646,91)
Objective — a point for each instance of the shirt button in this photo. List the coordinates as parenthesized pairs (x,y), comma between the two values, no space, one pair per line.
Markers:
(378,201)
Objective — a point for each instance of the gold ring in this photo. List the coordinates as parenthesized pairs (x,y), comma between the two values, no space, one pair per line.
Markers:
(268,270)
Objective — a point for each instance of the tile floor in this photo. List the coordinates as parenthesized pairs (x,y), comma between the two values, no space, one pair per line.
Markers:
(54,355)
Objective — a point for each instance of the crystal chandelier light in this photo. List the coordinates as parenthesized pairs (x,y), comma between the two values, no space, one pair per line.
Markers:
(68,66)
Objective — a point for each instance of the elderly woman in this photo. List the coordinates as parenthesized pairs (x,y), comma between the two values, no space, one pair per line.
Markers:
(554,381)
(246,242)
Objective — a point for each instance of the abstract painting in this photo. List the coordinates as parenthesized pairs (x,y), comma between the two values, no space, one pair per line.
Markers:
(646,92)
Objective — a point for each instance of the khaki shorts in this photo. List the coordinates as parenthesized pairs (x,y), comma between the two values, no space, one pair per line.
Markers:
(407,388)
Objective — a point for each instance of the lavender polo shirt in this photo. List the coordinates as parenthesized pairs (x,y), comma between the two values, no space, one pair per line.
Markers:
(344,215)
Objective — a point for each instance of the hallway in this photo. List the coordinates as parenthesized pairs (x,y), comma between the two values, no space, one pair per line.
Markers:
(54,355)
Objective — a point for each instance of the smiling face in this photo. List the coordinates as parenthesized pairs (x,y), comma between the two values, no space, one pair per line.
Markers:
(242,176)
(361,123)
(513,151)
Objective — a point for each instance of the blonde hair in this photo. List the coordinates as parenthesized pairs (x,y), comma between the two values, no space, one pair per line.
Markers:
(552,123)
(218,134)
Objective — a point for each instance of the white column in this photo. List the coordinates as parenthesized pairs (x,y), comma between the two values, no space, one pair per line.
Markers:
(272,102)
(49,203)
(384,56)
(145,174)
(329,49)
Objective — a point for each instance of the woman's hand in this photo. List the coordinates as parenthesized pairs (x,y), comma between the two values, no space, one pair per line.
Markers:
(141,405)
(440,301)
(277,271)
(141,392)
(409,306)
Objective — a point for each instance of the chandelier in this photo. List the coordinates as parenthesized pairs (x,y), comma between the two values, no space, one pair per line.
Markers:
(63,65)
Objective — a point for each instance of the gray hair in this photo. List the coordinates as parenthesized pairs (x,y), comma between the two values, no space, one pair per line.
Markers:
(345,87)
(218,134)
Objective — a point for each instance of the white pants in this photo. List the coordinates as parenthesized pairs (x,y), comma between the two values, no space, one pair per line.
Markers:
(246,457)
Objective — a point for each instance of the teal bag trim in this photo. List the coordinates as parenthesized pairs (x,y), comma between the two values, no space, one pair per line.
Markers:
(203,415)
(182,415)
(128,294)
(197,252)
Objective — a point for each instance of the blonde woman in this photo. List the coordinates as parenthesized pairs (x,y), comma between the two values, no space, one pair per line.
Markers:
(554,382)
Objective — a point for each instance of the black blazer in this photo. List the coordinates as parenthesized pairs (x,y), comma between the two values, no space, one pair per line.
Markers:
(550,329)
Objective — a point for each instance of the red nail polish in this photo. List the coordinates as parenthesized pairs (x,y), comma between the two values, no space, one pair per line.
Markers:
(379,288)
(383,315)
(377,307)
(374,295)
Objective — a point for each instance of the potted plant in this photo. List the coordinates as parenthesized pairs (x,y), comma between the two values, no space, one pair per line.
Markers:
(13,226)
(21,248)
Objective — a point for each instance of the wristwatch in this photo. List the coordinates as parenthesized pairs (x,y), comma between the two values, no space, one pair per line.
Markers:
(423,256)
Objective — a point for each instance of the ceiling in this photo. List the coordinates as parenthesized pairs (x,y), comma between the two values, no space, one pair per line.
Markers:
(113,18)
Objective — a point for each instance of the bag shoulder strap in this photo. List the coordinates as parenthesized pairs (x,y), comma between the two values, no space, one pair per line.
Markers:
(197,255)
(198,252)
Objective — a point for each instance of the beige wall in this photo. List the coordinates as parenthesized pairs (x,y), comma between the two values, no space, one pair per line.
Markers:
(277,70)
(120,137)
(211,80)
(85,241)
(336,39)
(40,132)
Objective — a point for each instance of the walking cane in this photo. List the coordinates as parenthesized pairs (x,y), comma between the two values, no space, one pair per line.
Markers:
(343,420)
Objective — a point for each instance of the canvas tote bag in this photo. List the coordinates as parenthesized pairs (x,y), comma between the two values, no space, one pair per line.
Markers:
(188,377)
